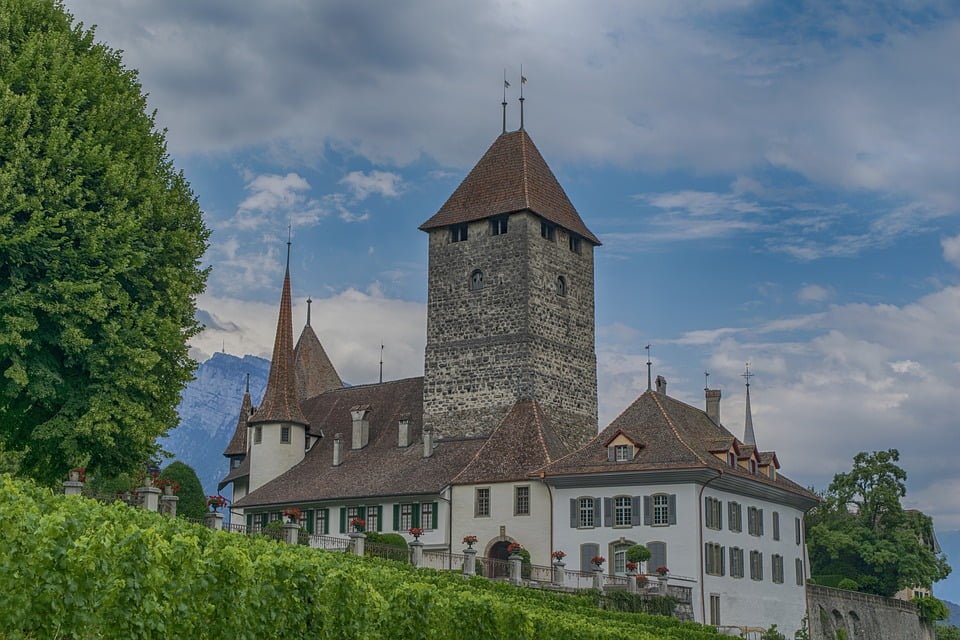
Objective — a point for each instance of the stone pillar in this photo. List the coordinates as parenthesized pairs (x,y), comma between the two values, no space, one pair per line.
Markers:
(417,556)
(149,497)
(291,532)
(72,487)
(598,579)
(169,503)
(632,580)
(516,561)
(558,573)
(213,520)
(663,585)
(469,562)
(357,538)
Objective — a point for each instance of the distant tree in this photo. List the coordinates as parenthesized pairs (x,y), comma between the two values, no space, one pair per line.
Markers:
(947,632)
(100,242)
(862,533)
(192,503)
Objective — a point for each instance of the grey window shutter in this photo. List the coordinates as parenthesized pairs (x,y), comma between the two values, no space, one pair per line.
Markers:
(760,521)
(720,515)
(610,457)
(636,510)
(723,568)
(597,506)
(587,552)
(574,520)
(733,564)
(672,502)
(647,510)
(658,555)
(608,512)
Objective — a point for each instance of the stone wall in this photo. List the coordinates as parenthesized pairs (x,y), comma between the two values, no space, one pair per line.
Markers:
(837,614)
(515,336)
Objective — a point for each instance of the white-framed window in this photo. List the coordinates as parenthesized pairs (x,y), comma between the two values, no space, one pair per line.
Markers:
(753,467)
(713,559)
(371,517)
(320,526)
(587,516)
(776,525)
(481,503)
(257,434)
(732,459)
(354,512)
(458,233)
(714,513)
(406,516)
(427,517)
(735,516)
(736,562)
(521,501)
(622,452)
(274,516)
(476,280)
(285,434)
(620,559)
(756,565)
(498,225)
(776,567)
(798,567)
(622,511)
(661,509)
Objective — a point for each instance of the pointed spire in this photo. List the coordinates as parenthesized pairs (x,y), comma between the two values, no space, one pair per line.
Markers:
(748,435)
(238,442)
(315,373)
(280,399)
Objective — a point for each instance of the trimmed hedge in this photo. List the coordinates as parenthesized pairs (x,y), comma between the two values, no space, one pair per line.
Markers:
(72,567)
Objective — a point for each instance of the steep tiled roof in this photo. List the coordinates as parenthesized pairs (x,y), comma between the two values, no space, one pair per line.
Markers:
(511,176)
(238,443)
(280,402)
(673,435)
(241,471)
(314,371)
(522,442)
(379,469)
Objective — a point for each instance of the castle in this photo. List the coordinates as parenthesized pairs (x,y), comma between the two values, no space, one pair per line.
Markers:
(499,437)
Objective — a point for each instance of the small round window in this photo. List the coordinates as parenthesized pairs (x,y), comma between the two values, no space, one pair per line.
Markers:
(561,286)
(476,280)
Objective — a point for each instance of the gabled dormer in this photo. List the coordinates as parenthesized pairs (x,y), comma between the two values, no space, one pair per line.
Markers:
(749,459)
(768,464)
(621,447)
(726,450)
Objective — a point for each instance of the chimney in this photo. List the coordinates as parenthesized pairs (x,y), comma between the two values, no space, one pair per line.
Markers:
(337,449)
(713,404)
(361,426)
(403,431)
(427,442)
(661,385)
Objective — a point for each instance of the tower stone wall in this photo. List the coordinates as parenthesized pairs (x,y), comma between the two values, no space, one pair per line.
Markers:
(516,336)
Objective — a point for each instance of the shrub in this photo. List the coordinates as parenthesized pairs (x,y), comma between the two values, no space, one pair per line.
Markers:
(638,553)
(848,584)
(931,609)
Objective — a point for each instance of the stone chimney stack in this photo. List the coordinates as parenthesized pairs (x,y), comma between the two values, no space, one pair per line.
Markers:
(361,426)
(427,442)
(403,431)
(337,449)
(661,385)
(713,404)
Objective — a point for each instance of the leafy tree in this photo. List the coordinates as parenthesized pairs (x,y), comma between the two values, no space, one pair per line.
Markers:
(192,503)
(862,532)
(772,634)
(100,242)
(638,553)
(931,609)
(947,632)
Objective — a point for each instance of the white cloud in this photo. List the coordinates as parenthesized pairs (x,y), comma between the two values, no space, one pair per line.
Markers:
(383,183)
(273,198)
(951,250)
(812,293)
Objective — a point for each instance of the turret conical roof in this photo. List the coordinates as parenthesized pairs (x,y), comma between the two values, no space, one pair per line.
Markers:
(748,435)
(511,176)
(280,402)
(238,443)
(314,372)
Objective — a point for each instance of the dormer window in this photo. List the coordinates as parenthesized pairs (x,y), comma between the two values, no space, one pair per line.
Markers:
(476,280)
(548,231)
(732,459)
(753,466)
(622,452)
(458,233)
(234,463)
(498,226)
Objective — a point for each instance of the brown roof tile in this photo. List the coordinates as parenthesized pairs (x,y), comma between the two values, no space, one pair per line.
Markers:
(511,176)
(280,402)
(522,442)
(313,370)
(241,471)
(379,469)
(238,443)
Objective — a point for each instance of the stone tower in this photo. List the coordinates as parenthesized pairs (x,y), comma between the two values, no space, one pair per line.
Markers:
(510,311)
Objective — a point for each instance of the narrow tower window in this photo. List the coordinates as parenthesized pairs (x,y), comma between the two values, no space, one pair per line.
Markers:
(561,286)
(498,226)
(458,233)
(574,243)
(476,280)
(548,231)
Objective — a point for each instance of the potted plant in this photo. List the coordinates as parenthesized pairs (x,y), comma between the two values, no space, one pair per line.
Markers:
(662,572)
(416,532)
(597,562)
(170,487)
(514,548)
(469,541)
(558,556)
(215,503)
(78,474)
(292,515)
(631,567)
(358,524)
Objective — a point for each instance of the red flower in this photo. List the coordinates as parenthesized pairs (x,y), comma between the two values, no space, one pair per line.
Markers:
(558,555)
(598,560)
(470,540)
(631,566)
(663,571)
(416,532)
(359,524)
(293,513)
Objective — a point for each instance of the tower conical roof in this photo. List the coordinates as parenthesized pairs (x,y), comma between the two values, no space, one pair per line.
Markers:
(280,402)
(238,443)
(748,435)
(315,373)
(511,176)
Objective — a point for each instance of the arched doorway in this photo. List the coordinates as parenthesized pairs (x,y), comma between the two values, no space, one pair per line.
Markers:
(498,552)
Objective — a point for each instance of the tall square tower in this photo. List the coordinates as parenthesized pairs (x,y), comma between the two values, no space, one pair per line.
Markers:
(510,301)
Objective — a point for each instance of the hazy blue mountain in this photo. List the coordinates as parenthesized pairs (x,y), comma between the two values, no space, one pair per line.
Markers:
(209,409)
(949,589)
(954,618)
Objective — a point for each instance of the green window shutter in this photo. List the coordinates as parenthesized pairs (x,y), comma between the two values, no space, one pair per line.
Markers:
(326,522)
(310,522)
(343,519)
(249,522)
(379,517)
(362,512)
(436,517)
(416,514)
(264,519)
(396,517)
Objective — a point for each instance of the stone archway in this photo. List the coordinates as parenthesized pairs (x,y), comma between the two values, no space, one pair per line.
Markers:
(496,550)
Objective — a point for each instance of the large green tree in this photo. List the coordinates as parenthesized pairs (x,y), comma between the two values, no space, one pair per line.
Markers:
(192,502)
(100,243)
(862,532)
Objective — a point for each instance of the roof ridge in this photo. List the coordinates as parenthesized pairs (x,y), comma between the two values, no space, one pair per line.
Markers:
(539,424)
(524,174)
(676,431)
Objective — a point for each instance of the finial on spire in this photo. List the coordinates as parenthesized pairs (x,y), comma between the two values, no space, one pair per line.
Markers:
(506,85)
(747,375)
(706,380)
(289,238)
(523,81)
(649,370)
(309,302)
(381,362)
(248,383)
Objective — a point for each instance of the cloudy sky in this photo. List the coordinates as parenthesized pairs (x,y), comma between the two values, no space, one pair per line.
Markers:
(775,185)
